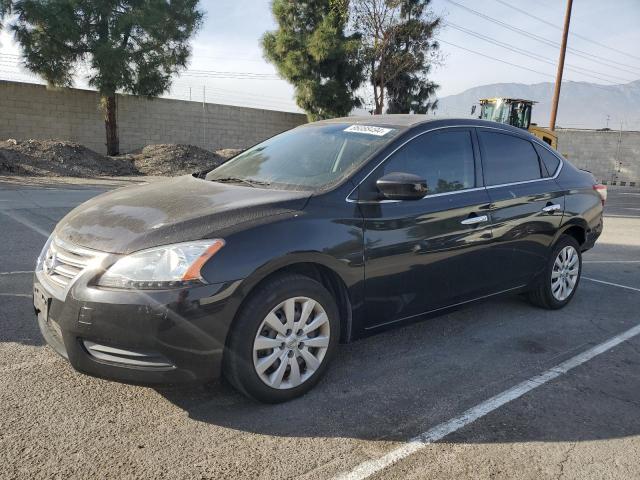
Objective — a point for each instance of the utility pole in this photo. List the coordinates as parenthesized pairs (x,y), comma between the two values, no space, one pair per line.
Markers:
(204,117)
(563,50)
(618,161)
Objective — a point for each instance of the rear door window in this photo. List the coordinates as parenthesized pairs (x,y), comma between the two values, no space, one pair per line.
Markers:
(507,158)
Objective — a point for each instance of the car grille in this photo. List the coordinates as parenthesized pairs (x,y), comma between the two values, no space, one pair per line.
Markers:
(63,262)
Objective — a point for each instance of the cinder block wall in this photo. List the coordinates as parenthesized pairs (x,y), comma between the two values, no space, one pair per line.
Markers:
(613,157)
(34,111)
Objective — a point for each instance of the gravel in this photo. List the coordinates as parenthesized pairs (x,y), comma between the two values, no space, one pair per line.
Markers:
(176,159)
(59,158)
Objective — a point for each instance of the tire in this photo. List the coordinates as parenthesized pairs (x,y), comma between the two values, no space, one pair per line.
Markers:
(256,339)
(559,273)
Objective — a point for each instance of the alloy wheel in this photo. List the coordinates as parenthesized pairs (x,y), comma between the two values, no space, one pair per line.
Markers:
(564,275)
(291,343)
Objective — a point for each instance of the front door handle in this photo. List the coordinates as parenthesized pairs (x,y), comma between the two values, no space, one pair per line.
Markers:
(551,208)
(475,220)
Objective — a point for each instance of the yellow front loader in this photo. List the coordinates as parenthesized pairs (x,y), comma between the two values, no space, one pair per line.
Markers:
(515,112)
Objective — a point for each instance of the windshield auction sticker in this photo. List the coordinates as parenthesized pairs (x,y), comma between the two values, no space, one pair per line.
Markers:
(368,129)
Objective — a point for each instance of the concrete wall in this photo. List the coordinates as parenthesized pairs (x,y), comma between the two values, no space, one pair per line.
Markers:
(33,111)
(612,157)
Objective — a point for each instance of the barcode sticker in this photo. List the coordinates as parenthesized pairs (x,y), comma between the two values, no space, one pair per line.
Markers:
(368,129)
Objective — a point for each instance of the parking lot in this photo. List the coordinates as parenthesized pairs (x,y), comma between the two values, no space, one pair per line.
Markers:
(498,390)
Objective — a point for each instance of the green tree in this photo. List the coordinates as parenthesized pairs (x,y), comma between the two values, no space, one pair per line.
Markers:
(133,46)
(414,52)
(399,51)
(5,9)
(311,50)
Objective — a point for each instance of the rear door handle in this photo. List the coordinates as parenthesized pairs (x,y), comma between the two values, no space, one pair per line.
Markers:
(551,208)
(475,220)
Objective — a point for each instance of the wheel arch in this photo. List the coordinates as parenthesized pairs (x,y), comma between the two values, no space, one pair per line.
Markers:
(576,228)
(315,266)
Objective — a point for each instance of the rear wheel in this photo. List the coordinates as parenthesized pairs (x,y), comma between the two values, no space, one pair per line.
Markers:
(283,339)
(560,280)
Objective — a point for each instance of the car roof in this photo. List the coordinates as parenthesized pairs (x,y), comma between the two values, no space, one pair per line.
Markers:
(412,120)
(392,120)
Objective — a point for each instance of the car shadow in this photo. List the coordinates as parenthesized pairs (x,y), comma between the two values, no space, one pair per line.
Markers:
(397,384)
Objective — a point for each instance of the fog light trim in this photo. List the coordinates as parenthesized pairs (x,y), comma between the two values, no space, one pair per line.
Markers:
(126,357)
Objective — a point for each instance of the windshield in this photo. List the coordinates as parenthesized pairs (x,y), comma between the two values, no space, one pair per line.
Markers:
(497,111)
(517,114)
(521,115)
(306,158)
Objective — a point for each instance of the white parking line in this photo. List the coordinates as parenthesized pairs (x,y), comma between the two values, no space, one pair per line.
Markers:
(28,295)
(25,222)
(611,261)
(16,272)
(611,283)
(370,467)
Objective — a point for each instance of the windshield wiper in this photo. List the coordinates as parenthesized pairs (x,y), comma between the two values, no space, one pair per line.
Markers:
(249,181)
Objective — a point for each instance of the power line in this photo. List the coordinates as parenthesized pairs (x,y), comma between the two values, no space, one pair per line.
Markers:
(197,73)
(546,41)
(579,53)
(529,14)
(215,96)
(496,59)
(442,41)
(11,68)
(535,56)
(524,12)
(227,76)
(240,74)
(181,91)
(222,91)
(232,58)
(605,87)
(223,98)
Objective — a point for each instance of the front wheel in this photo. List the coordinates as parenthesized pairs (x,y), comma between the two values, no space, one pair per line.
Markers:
(561,277)
(283,339)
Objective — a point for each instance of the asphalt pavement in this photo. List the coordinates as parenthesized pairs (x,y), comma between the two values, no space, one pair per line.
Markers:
(485,392)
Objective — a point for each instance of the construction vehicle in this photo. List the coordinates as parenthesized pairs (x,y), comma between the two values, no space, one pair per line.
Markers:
(515,112)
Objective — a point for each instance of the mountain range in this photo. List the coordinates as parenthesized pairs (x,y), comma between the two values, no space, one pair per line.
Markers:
(582,104)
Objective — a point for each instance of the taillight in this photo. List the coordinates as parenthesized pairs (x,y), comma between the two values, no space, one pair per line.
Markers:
(602,191)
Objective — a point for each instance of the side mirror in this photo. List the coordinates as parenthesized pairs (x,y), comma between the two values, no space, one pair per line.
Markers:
(201,173)
(402,186)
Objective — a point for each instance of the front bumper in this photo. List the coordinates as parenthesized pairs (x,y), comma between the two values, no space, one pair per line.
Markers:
(147,337)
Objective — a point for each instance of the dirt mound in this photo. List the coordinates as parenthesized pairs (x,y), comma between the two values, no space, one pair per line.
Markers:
(227,153)
(176,159)
(58,158)
(61,158)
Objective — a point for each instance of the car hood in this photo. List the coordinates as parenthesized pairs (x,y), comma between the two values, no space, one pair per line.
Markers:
(176,210)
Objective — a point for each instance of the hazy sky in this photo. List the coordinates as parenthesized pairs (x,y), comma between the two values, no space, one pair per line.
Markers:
(229,42)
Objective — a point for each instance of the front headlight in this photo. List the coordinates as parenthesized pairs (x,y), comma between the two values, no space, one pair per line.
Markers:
(169,266)
(43,253)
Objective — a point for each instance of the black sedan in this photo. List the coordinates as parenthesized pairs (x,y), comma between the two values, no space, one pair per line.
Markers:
(323,234)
